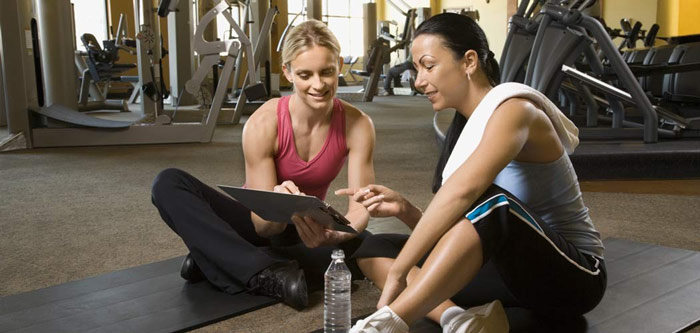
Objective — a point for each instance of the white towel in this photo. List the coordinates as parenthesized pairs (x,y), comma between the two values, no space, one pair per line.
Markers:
(476,124)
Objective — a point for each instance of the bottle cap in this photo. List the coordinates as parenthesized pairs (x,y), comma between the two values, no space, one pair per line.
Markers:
(338,254)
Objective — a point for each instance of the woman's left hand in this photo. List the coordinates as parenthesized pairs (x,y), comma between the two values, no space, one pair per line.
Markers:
(314,234)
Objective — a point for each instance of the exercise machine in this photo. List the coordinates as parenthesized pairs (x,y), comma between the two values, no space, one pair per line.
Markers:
(50,118)
(379,54)
(522,27)
(657,119)
(374,61)
(209,52)
(564,36)
(98,65)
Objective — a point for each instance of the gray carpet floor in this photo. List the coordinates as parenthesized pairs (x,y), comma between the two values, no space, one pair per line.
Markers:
(71,213)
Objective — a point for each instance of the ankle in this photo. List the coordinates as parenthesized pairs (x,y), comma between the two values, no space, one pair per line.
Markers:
(396,324)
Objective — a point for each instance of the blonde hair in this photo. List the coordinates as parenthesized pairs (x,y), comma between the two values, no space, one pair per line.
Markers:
(306,35)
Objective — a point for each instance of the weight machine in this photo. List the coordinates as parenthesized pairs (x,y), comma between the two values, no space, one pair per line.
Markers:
(49,117)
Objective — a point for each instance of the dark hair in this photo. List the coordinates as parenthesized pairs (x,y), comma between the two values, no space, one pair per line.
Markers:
(459,34)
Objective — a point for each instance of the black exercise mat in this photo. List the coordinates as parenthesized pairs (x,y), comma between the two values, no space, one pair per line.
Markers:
(148,298)
(650,289)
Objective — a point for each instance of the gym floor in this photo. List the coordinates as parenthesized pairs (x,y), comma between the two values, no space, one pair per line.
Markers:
(72,213)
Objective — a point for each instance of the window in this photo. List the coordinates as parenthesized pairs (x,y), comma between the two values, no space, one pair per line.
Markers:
(346,22)
(90,17)
(224,30)
(344,18)
(295,7)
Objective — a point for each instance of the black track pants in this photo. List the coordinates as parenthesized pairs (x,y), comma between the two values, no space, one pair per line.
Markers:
(526,263)
(221,237)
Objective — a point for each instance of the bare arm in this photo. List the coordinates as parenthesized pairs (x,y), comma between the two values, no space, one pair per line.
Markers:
(505,136)
(360,139)
(364,196)
(381,201)
(259,145)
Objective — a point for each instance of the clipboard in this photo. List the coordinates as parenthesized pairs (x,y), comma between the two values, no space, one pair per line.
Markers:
(280,207)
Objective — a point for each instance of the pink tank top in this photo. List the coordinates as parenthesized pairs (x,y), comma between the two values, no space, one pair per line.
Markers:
(315,176)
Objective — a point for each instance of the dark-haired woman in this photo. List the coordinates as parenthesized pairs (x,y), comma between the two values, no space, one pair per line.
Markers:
(507,224)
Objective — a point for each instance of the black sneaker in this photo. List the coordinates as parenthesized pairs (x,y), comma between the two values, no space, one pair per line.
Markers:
(190,271)
(284,281)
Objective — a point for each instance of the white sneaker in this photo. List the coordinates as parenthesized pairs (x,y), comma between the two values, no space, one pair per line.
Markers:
(487,318)
(382,321)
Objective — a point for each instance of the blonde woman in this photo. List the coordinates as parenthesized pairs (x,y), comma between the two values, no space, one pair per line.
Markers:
(295,144)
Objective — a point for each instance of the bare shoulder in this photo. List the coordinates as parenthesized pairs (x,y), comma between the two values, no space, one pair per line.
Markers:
(355,117)
(262,124)
(517,111)
(265,116)
(518,104)
(359,129)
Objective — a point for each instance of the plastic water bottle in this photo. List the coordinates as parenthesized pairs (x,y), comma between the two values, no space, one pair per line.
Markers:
(337,306)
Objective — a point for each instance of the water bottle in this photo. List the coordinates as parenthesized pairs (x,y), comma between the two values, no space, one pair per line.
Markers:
(337,306)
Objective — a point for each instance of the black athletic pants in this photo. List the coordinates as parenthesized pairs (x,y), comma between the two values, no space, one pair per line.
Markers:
(395,75)
(526,263)
(221,237)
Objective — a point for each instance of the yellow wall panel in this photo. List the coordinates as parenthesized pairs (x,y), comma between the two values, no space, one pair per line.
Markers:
(667,17)
(689,17)
(636,10)
(381,10)
(435,7)
(278,26)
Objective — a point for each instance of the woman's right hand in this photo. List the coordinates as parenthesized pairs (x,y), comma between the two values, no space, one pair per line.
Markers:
(287,186)
(380,201)
(393,286)
(267,228)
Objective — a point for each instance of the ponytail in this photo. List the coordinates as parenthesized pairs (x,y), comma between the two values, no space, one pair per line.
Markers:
(459,34)
(492,70)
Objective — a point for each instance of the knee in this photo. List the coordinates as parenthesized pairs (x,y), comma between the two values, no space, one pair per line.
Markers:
(368,267)
(165,181)
(375,268)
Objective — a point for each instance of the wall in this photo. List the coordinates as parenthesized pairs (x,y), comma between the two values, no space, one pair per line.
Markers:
(689,16)
(280,22)
(667,17)
(493,16)
(644,11)
(493,19)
